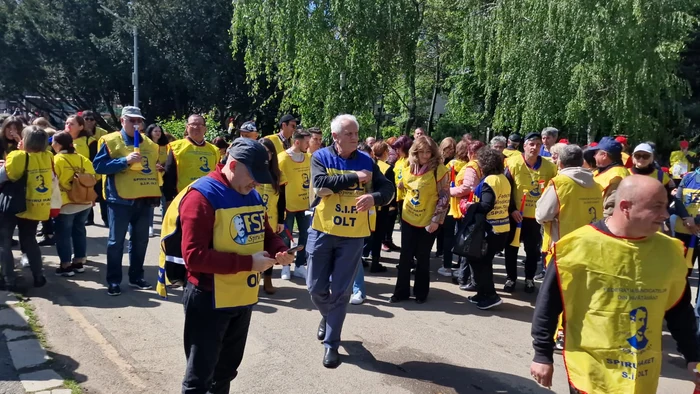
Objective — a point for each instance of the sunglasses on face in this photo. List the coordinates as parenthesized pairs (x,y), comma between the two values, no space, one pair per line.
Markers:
(89,119)
(134,120)
(642,156)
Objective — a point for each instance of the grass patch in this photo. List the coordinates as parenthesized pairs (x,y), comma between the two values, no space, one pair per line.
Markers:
(73,386)
(34,322)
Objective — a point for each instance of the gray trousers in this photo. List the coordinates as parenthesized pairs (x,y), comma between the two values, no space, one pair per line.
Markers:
(330,256)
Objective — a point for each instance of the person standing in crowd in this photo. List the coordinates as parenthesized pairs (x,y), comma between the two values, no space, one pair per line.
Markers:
(380,152)
(528,173)
(615,297)
(220,144)
(71,236)
(402,146)
(275,202)
(295,164)
(447,149)
(96,133)
(131,189)
(643,164)
(316,141)
(91,126)
(248,130)
(345,179)
(10,133)
(513,145)
(610,171)
(682,161)
(188,159)
(426,202)
(419,132)
(155,133)
(392,152)
(556,150)
(626,158)
(687,208)
(283,139)
(498,143)
(454,166)
(358,285)
(492,197)
(222,271)
(549,138)
(370,141)
(32,159)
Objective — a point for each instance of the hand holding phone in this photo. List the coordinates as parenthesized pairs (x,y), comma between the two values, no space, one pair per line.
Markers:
(295,249)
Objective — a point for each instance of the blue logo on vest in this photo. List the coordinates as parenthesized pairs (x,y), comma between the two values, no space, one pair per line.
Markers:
(416,198)
(306,183)
(205,164)
(265,199)
(146,166)
(593,213)
(248,228)
(535,192)
(639,317)
(42,184)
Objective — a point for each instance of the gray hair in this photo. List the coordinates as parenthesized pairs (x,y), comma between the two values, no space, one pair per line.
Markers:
(498,138)
(550,131)
(570,156)
(34,139)
(337,123)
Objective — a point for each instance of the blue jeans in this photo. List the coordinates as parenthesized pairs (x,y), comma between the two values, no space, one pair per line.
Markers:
(123,218)
(303,223)
(162,206)
(359,283)
(339,257)
(70,231)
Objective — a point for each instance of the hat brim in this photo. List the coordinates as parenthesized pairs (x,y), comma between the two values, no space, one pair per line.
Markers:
(133,116)
(261,175)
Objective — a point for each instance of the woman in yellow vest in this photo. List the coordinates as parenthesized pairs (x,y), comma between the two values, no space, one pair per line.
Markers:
(86,145)
(447,233)
(402,146)
(380,152)
(91,126)
(447,149)
(426,201)
(155,133)
(71,237)
(33,160)
(492,198)
(643,164)
(274,200)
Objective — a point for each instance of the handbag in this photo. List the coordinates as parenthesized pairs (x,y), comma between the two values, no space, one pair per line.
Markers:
(470,240)
(13,195)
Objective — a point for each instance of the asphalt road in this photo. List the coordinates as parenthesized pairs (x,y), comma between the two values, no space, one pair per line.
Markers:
(132,343)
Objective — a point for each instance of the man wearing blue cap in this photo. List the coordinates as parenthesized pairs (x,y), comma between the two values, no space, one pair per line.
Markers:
(610,170)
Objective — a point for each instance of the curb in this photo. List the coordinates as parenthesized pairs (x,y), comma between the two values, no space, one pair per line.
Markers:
(29,357)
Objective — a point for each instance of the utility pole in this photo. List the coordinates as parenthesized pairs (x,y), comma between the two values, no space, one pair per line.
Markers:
(134,32)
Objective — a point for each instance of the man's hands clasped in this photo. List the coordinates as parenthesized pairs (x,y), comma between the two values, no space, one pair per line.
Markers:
(262,260)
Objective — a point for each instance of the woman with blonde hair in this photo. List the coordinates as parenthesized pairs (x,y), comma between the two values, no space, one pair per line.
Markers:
(448,146)
(426,200)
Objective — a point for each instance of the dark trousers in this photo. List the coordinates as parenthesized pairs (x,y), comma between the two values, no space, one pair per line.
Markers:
(439,240)
(47,227)
(391,221)
(27,240)
(448,240)
(483,267)
(214,343)
(531,237)
(103,206)
(415,241)
(382,230)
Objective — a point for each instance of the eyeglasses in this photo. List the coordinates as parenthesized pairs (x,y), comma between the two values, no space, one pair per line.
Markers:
(196,124)
(134,120)
(642,156)
(89,119)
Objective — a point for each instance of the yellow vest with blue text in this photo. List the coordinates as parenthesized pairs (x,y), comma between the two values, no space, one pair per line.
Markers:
(578,206)
(497,217)
(453,168)
(162,158)
(615,295)
(691,199)
(528,179)
(678,157)
(337,214)
(421,196)
(610,176)
(399,168)
(270,198)
(193,161)
(39,181)
(298,181)
(65,165)
(239,227)
(132,184)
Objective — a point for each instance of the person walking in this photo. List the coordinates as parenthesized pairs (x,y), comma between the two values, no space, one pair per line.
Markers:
(348,186)
(609,170)
(156,134)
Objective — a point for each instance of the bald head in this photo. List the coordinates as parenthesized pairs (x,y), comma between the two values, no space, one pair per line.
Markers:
(641,206)
(638,188)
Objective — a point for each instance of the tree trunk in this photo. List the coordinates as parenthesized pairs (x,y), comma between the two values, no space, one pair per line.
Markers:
(435,93)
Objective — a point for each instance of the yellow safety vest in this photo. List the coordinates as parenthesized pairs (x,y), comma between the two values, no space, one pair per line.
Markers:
(383,166)
(498,217)
(421,196)
(606,178)
(615,295)
(99,133)
(684,166)
(578,206)
(65,165)
(690,199)
(82,145)
(510,152)
(529,180)
(399,167)
(193,161)
(39,181)
(657,174)
(131,184)
(336,214)
(162,158)
(298,181)
(277,141)
(270,198)
(457,165)
(239,227)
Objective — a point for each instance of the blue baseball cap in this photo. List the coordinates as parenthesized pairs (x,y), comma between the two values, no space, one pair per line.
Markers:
(253,155)
(608,144)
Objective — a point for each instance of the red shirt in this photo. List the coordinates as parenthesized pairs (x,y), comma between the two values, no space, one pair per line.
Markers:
(197,223)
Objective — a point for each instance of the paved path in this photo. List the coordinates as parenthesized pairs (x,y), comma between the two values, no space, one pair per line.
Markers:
(132,343)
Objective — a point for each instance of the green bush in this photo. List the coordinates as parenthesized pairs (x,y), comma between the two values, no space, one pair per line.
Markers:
(177,126)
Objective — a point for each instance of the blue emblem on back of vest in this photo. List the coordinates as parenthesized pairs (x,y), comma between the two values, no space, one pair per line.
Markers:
(204,161)
(42,184)
(146,166)
(639,317)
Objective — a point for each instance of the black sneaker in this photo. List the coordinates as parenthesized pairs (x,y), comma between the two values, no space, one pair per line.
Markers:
(377,269)
(15,243)
(489,302)
(40,281)
(469,286)
(141,284)
(509,287)
(529,286)
(539,277)
(475,299)
(47,241)
(66,272)
(114,290)
(78,268)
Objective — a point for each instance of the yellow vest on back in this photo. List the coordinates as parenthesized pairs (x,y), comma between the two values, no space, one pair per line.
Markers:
(275,138)
(684,166)
(298,177)
(609,176)
(82,146)
(270,198)
(615,295)
(239,227)
(131,184)
(399,168)
(421,196)
(529,180)
(39,181)
(510,152)
(498,217)
(453,168)
(162,158)
(65,165)
(193,162)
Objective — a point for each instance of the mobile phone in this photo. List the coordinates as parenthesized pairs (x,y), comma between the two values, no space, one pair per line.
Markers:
(295,249)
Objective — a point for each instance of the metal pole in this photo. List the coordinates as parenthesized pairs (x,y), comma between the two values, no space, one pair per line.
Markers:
(135,75)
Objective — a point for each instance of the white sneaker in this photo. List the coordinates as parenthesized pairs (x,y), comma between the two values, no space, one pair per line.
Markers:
(286,273)
(24,261)
(150,232)
(300,272)
(357,298)
(445,272)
